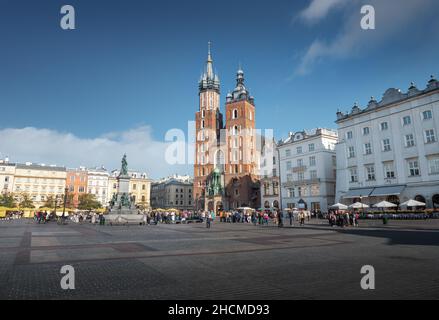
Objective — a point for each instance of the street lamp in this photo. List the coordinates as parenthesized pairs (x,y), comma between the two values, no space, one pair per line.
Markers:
(56,202)
(66,190)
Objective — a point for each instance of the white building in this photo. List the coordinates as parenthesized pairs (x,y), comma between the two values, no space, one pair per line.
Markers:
(269,174)
(7,173)
(97,180)
(390,150)
(308,169)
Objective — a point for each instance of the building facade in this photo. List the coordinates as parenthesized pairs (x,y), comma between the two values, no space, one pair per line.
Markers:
(7,174)
(39,181)
(174,192)
(97,184)
(77,183)
(226,157)
(389,150)
(307,162)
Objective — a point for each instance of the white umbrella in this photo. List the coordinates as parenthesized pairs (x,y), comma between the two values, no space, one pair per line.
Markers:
(413,203)
(339,206)
(385,204)
(358,205)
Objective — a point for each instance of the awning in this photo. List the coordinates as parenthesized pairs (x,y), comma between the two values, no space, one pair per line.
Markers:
(387,191)
(357,193)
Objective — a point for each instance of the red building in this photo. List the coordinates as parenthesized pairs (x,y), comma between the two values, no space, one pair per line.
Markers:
(76,183)
(226,160)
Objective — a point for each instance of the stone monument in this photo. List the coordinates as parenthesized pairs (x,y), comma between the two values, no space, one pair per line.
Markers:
(122,207)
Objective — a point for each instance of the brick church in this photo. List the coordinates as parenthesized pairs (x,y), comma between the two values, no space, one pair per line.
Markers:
(227,155)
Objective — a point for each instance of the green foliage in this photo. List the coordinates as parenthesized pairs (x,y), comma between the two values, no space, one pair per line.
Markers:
(26,202)
(88,201)
(7,200)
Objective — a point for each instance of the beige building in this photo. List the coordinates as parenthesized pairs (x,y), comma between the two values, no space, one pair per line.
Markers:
(140,187)
(7,174)
(39,182)
(173,192)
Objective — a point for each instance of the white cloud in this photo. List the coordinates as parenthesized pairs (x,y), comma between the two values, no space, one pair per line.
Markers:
(319,9)
(65,149)
(350,39)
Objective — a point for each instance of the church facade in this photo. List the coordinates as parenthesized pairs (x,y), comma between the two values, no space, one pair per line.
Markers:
(226,169)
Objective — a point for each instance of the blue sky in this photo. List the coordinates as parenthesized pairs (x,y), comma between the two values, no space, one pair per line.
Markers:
(130,69)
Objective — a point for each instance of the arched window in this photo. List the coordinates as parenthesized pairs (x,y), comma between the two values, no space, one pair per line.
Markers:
(235,130)
(202,124)
(235,114)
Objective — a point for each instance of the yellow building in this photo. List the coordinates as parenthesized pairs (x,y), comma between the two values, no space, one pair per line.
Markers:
(39,182)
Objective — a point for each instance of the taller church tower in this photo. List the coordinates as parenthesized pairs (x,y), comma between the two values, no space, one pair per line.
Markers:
(209,122)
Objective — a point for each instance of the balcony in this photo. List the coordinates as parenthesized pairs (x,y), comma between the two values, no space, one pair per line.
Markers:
(298,183)
(299,169)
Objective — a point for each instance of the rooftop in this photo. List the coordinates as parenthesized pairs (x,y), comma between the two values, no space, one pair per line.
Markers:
(390,97)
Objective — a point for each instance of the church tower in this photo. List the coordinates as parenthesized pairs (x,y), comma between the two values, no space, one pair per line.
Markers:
(209,122)
(241,180)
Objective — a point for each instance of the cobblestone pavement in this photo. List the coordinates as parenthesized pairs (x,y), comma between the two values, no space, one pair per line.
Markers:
(229,261)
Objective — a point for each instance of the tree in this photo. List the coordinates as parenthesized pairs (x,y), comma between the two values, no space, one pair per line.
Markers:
(26,202)
(7,200)
(70,203)
(50,202)
(87,201)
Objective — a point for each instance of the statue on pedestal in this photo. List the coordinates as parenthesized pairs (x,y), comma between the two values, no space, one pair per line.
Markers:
(124,168)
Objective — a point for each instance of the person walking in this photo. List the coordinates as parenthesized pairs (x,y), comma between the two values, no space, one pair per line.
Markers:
(302,218)
(281,219)
(290,215)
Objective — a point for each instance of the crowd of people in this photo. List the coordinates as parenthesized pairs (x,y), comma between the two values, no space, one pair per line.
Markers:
(250,216)
(343,218)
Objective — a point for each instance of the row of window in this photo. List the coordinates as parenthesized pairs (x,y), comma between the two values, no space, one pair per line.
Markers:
(300,163)
(409,141)
(275,188)
(405,121)
(182,190)
(19,188)
(299,150)
(413,170)
(301,176)
(235,114)
(299,192)
(39,181)
(81,189)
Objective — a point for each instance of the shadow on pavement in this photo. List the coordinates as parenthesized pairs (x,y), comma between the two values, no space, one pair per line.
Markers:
(395,237)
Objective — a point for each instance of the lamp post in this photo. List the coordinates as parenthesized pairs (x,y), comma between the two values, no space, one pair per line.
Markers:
(56,202)
(362,208)
(66,190)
